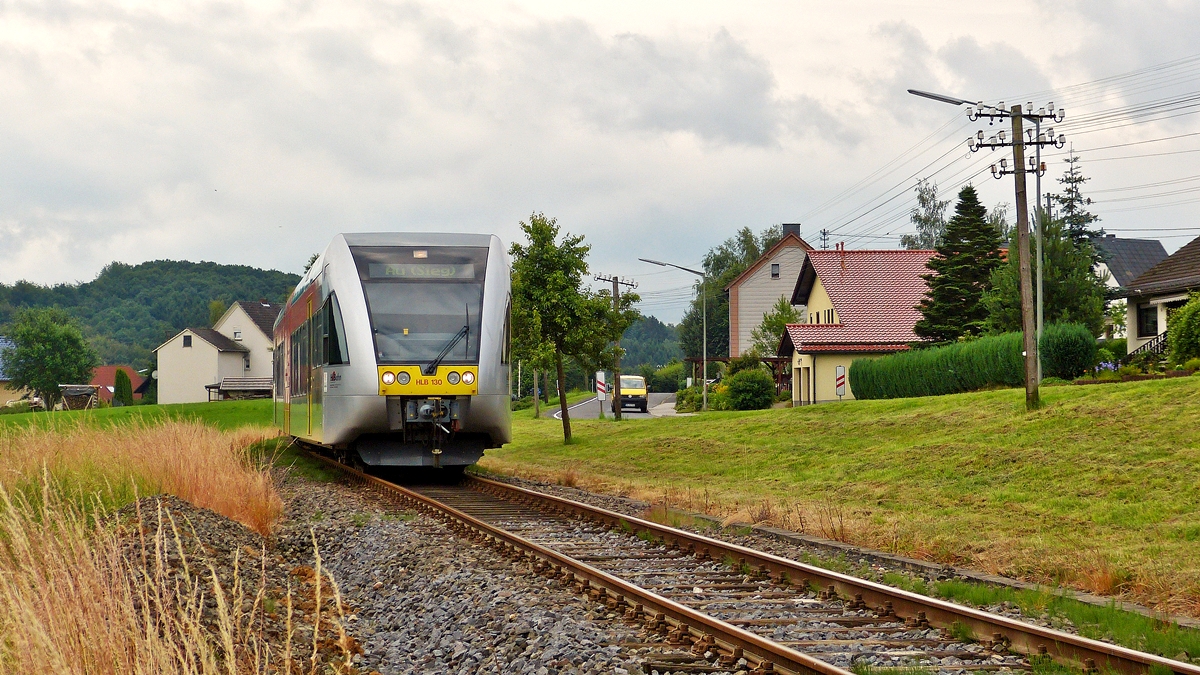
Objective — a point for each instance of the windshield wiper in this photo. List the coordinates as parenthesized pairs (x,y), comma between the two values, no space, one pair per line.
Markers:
(431,369)
(465,332)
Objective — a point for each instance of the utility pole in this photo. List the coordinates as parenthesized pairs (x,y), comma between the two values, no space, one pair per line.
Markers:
(616,295)
(1031,317)
(1032,397)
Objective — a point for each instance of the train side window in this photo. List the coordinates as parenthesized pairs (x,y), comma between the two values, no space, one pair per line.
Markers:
(336,346)
(506,348)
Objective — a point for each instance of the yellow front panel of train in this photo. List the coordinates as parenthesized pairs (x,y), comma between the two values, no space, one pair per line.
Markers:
(412,381)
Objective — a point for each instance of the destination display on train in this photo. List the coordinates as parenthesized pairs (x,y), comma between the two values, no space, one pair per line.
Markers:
(420,271)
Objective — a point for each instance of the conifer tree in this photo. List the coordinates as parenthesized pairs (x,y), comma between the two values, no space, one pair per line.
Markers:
(966,256)
(1073,205)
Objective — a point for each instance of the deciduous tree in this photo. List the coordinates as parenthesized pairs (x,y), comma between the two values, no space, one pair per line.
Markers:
(548,283)
(929,217)
(766,336)
(48,350)
(961,272)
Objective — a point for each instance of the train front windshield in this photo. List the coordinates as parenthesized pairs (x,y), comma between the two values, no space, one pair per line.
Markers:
(423,300)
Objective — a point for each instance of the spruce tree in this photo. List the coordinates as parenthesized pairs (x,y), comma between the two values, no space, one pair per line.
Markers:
(961,272)
(1073,205)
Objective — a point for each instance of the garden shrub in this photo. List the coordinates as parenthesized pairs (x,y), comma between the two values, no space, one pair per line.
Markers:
(670,378)
(750,389)
(1183,331)
(1067,350)
(1118,346)
(968,366)
(1104,356)
(743,362)
(1192,364)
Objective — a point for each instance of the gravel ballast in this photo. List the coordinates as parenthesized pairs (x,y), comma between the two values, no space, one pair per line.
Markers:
(424,600)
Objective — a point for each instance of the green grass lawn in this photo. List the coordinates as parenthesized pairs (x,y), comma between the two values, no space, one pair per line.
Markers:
(224,415)
(1100,489)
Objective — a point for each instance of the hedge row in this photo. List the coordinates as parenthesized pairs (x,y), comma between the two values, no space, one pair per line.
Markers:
(1067,350)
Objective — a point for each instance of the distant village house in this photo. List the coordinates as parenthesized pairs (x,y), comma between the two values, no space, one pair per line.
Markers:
(233,359)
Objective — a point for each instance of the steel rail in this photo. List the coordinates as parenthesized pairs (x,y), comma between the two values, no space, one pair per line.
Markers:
(653,607)
(1020,636)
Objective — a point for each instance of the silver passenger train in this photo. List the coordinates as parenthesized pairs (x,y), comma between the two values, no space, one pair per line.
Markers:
(394,350)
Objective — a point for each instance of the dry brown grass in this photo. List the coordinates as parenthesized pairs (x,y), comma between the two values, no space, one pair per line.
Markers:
(76,597)
(197,463)
(80,595)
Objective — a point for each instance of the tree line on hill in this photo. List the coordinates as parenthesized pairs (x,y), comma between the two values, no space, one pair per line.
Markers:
(128,310)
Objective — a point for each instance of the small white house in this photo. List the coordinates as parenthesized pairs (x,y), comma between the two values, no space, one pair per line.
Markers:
(198,360)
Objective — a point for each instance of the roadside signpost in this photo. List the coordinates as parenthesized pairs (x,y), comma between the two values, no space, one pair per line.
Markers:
(601,390)
(840,379)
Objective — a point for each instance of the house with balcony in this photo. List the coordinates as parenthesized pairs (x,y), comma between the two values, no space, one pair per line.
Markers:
(1153,295)
(861,304)
(755,291)
(233,359)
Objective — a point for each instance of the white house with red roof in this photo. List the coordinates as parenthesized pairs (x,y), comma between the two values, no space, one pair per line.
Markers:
(860,304)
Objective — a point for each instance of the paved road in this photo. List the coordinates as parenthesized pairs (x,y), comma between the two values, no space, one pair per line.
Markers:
(590,409)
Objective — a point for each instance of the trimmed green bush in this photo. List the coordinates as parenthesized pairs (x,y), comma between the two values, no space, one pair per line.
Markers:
(1192,364)
(750,389)
(993,361)
(1118,346)
(1068,350)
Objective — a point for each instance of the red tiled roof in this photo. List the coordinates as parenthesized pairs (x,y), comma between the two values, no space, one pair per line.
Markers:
(106,377)
(875,295)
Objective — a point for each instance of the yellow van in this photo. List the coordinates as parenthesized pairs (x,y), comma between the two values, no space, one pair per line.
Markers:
(633,393)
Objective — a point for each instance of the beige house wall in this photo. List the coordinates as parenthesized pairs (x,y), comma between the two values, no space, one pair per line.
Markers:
(183,371)
(754,297)
(818,302)
(814,376)
(236,320)
(9,393)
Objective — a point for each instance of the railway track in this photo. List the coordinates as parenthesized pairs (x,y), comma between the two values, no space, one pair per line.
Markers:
(710,606)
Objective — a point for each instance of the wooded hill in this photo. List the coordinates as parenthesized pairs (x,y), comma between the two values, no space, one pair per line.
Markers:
(128,310)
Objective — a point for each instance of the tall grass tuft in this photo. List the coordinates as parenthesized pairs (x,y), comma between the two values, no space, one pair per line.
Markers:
(197,463)
(78,595)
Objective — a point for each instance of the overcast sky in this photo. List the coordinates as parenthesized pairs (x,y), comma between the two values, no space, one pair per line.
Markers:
(252,133)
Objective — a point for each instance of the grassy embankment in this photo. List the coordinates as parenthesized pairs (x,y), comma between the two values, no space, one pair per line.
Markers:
(1099,490)
(79,591)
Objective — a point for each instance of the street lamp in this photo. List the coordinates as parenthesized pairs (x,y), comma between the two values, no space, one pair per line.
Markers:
(704,334)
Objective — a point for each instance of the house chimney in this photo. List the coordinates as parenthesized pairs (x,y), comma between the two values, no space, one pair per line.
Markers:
(791,228)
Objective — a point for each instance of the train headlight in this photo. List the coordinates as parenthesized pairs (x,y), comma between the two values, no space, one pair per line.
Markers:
(468,377)
(452,377)
(403,378)
(389,377)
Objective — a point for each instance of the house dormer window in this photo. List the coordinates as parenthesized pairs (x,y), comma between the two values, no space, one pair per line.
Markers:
(237,335)
(187,340)
(774,270)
